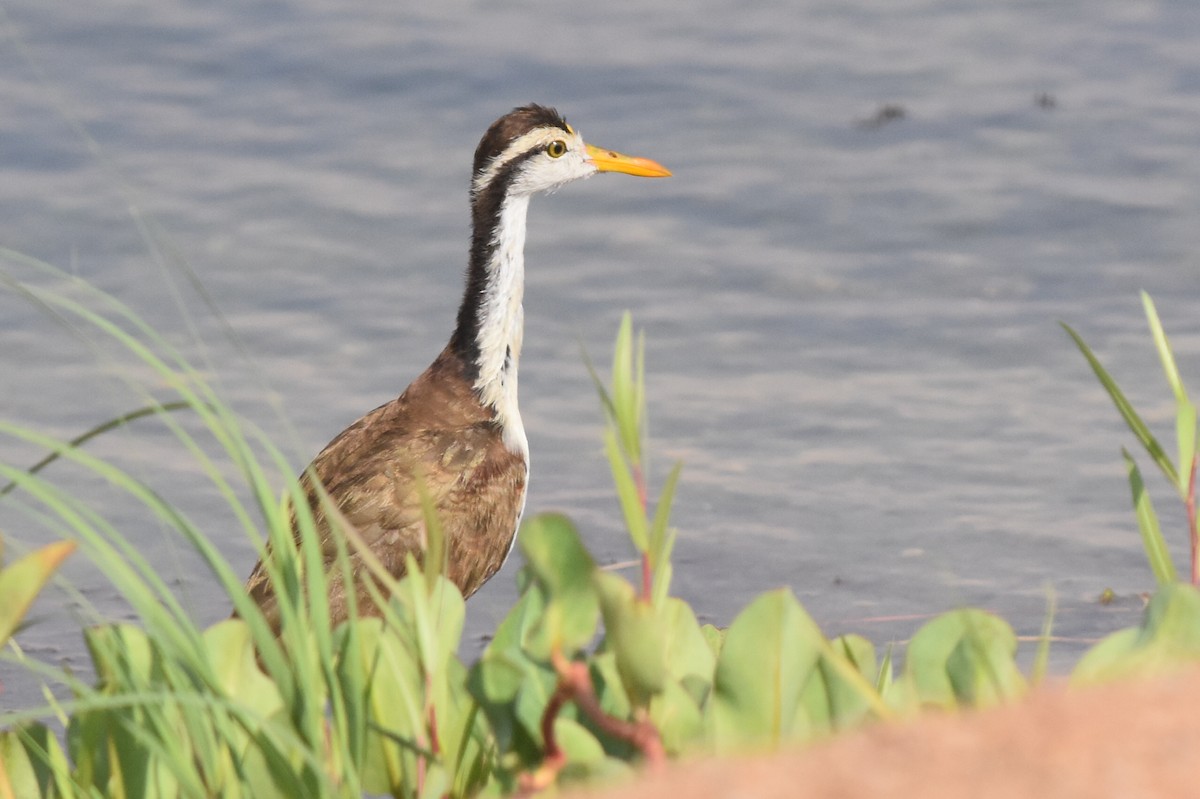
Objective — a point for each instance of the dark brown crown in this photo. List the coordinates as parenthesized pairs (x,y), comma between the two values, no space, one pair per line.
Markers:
(511,126)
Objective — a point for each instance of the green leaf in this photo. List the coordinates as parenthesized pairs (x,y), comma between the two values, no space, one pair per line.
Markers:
(1157,554)
(1169,636)
(1041,661)
(627,396)
(677,717)
(231,652)
(560,563)
(515,629)
(578,744)
(627,492)
(769,652)
(965,656)
(1164,348)
(847,705)
(610,690)
(1185,411)
(661,541)
(715,638)
(22,580)
(885,678)
(20,774)
(556,555)
(689,654)
(395,706)
(1125,408)
(635,634)
(1109,658)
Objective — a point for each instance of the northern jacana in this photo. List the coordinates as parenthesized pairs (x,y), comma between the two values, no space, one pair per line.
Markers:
(456,428)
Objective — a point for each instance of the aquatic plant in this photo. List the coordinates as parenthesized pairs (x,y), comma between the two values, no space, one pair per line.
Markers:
(588,676)
(1181,473)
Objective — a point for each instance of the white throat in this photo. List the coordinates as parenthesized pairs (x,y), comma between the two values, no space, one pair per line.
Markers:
(502,322)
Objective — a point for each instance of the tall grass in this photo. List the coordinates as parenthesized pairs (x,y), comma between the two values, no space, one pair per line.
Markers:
(193,704)
(585,676)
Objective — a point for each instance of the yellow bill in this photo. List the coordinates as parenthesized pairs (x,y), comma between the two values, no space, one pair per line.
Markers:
(609,161)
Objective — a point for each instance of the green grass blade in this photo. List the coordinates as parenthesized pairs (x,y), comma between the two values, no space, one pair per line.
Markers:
(1125,408)
(659,551)
(1185,413)
(627,492)
(1164,348)
(1041,661)
(1152,538)
(104,427)
(626,392)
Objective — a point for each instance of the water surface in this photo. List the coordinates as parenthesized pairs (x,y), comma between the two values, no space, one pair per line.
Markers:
(852,327)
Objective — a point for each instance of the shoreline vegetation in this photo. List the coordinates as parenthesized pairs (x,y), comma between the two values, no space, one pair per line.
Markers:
(588,678)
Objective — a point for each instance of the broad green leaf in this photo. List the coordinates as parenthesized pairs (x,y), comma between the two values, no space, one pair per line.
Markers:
(436,784)
(577,742)
(635,634)
(395,705)
(689,654)
(21,581)
(231,653)
(1109,657)
(769,652)
(847,705)
(981,667)
(555,554)
(676,716)
(1125,408)
(497,678)
(1168,637)
(531,700)
(715,638)
(558,560)
(499,682)
(36,763)
(439,613)
(610,690)
(515,628)
(964,656)
(1157,554)
(19,774)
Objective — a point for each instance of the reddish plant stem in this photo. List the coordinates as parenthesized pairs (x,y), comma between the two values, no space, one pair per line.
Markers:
(575,685)
(639,480)
(641,734)
(431,713)
(1192,530)
(559,699)
(434,746)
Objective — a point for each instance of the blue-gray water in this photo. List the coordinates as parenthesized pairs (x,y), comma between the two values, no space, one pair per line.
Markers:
(852,328)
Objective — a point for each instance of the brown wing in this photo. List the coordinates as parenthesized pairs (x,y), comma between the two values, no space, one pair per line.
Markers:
(436,429)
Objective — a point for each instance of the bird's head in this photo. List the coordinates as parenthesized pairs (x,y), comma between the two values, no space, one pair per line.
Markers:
(533,149)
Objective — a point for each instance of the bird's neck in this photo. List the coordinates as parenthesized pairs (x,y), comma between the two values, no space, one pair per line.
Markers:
(491,319)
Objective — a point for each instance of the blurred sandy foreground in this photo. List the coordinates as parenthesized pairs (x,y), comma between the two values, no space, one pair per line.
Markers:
(1129,739)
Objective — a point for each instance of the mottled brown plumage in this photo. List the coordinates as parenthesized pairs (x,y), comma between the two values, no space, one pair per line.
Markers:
(437,428)
(456,429)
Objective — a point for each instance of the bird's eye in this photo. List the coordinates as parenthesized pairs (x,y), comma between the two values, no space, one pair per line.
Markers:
(556,148)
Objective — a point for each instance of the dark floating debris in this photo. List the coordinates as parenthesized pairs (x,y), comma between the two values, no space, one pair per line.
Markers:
(1046,101)
(892,112)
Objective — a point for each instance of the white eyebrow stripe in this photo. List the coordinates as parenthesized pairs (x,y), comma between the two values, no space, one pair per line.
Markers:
(519,145)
